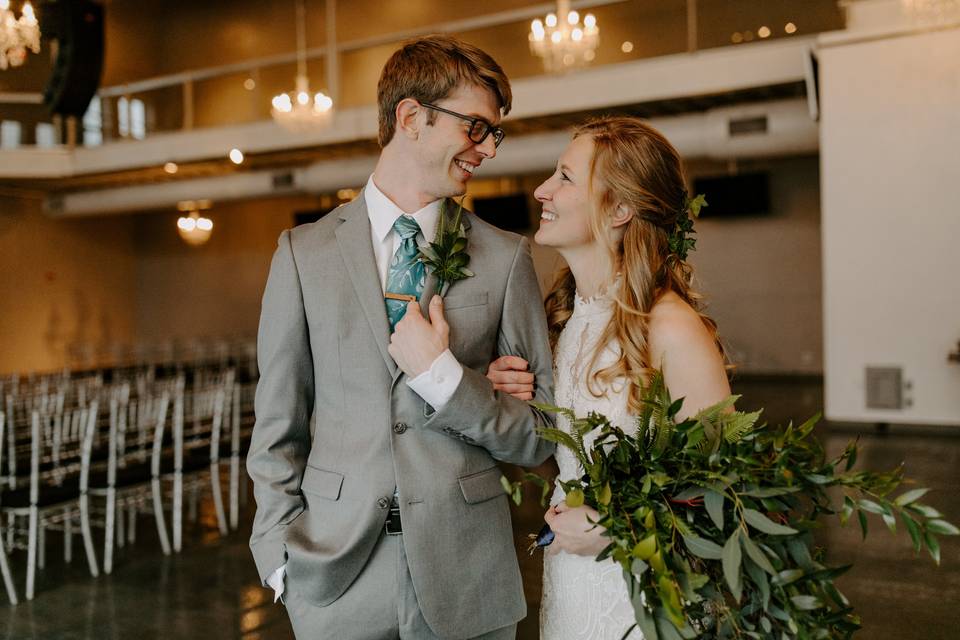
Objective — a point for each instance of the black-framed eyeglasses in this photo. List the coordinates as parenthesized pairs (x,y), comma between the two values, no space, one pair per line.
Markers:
(479,128)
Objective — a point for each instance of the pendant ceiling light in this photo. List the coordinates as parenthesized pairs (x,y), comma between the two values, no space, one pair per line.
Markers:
(17,35)
(562,41)
(301,110)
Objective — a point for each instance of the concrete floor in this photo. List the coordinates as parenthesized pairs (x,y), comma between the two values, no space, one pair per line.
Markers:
(211,590)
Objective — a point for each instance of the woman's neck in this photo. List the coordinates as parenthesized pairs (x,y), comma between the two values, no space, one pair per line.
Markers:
(591,267)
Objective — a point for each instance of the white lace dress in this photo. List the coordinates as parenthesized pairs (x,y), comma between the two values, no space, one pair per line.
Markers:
(584,599)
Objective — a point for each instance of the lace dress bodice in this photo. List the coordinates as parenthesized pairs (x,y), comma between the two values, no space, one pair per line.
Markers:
(584,599)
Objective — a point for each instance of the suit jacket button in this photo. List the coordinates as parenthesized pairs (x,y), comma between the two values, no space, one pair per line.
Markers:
(400,427)
(383,503)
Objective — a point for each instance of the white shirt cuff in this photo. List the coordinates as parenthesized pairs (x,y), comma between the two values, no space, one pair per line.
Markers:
(276,581)
(437,384)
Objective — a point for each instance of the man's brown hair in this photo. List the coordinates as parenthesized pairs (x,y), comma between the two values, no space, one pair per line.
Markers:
(428,69)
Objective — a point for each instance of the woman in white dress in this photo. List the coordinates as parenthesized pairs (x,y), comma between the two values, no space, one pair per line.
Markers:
(624,306)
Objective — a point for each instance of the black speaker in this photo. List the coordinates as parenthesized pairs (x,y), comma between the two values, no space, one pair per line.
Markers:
(77,26)
(744,194)
(507,212)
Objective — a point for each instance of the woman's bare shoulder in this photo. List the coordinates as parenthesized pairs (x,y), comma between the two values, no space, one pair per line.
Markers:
(686,350)
(672,319)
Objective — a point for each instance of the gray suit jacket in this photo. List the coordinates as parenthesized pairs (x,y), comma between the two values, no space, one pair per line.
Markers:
(337,427)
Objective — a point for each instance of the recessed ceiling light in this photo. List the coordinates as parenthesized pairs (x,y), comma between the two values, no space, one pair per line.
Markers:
(763,32)
(626,47)
(790,27)
(249,84)
(736,38)
(236,156)
(171,168)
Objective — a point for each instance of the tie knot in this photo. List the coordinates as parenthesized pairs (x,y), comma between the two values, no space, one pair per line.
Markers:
(406,227)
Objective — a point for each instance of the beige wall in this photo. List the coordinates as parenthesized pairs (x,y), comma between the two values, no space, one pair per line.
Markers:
(762,275)
(214,290)
(65,288)
(131,279)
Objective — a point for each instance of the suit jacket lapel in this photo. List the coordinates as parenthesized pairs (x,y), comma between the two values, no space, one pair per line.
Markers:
(356,248)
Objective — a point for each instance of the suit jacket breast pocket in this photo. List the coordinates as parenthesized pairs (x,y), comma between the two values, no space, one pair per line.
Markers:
(471,328)
(452,302)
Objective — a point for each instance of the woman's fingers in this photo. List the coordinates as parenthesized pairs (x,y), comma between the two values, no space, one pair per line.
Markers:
(509,377)
(509,370)
(514,389)
(512,362)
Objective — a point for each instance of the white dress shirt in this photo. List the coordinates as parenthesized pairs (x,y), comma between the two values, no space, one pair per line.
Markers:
(437,384)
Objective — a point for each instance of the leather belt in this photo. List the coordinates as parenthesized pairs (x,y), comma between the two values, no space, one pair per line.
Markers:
(393,525)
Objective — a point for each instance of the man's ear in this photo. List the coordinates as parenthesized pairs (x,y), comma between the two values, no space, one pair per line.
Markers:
(622,215)
(407,113)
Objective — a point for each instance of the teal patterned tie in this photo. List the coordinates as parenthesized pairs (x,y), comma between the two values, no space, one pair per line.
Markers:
(407,274)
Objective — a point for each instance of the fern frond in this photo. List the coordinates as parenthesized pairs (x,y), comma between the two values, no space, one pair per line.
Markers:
(714,412)
(738,424)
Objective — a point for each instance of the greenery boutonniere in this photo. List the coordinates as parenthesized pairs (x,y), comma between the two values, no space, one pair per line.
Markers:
(447,255)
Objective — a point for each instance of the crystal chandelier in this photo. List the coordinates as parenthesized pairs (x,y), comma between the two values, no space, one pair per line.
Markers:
(932,11)
(17,35)
(299,110)
(561,41)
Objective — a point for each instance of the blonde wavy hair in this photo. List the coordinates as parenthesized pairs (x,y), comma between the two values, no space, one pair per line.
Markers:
(635,165)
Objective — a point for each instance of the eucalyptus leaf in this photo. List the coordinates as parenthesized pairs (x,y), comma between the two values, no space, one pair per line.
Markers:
(756,554)
(847,510)
(690,494)
(762,523)
(713,501)
(890,521)
(787,576)
(925,511)
(806,603)
(871,506)
(644,620)
(942,527)
(910,496)
(703,548)
(760,579)
(731,564)
(769,492)
(933,546)
(914,532)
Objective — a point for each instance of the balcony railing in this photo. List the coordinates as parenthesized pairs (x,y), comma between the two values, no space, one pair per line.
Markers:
(240,92)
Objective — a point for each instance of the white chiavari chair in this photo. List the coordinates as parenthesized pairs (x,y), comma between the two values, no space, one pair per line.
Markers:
(61,449)
(4,563)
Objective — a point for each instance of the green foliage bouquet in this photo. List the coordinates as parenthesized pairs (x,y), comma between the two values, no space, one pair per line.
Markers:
(712,518)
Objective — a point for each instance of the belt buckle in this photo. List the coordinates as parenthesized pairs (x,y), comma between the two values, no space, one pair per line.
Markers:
(394,518)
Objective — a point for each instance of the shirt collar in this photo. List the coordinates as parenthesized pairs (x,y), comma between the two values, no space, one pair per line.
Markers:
(383,212)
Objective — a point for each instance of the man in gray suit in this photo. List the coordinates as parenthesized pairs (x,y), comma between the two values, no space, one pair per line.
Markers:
(380,512)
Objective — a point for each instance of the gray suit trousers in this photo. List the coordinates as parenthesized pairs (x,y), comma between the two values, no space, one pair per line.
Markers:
(392,613)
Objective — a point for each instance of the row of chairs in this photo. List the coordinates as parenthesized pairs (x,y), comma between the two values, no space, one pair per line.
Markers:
(91,455)
(225,351)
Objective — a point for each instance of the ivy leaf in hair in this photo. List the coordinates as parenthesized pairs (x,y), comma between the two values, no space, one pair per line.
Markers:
(694,206)
(681,239)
